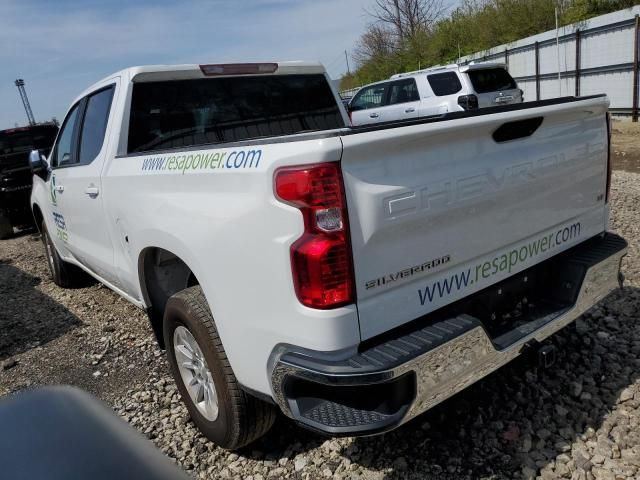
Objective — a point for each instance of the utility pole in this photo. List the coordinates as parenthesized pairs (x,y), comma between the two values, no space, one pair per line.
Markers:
(399,19)
(346,57)
(25,101)
(558,51)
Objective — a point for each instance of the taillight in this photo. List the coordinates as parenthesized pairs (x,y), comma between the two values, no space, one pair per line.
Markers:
(608,187)
(468,102)
(321,258)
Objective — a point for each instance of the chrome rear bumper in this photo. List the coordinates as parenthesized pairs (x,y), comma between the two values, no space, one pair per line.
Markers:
(381,387)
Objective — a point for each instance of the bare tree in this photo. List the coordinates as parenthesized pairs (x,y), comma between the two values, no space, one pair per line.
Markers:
(376,42)
(406,18)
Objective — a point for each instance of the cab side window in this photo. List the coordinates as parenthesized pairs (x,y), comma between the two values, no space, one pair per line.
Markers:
(94,125)
(403,91)
(369,97)
(63,153)
(83,131)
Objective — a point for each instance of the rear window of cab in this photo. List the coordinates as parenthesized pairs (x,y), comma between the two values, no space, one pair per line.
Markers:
(184,113)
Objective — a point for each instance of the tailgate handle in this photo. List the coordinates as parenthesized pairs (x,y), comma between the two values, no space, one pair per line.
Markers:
(518,129)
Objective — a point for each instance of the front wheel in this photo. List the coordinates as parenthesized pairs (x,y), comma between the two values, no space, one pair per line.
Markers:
(224,412)
(63,274)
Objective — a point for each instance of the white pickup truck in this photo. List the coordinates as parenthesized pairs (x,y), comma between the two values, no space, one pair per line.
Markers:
(352,277)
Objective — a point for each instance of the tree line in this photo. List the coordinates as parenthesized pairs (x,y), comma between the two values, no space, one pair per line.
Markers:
(405,35)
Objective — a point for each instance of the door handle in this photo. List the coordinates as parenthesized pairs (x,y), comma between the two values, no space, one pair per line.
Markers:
(410,110)
(59,188)
(92,191)
(373,115)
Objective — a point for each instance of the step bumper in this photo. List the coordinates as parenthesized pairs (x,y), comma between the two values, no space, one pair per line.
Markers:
(380,387)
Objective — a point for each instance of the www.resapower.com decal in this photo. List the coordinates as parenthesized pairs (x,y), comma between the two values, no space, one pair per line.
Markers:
(201,162)
(503,262)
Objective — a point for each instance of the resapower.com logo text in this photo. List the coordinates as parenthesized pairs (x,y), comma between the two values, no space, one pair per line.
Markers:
(182,162)
(503,262)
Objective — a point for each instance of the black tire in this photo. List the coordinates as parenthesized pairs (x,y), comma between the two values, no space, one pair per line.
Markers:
(63,274)
(241,418)
(6,229)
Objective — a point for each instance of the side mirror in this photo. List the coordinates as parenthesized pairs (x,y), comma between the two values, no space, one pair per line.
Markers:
(38,164)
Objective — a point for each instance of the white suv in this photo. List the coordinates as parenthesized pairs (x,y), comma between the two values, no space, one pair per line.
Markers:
(434,91)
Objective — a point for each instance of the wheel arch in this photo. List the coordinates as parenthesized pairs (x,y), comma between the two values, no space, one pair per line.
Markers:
(37,216)
(162,273)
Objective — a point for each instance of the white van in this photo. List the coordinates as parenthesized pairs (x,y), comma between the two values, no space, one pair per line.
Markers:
(434,91)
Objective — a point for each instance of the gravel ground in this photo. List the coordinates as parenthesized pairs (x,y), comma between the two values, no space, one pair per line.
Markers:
(579,420)
(626,149)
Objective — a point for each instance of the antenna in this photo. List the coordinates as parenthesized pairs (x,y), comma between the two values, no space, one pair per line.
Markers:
(25,101)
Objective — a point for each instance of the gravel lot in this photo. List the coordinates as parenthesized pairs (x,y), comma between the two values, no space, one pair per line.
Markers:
(579,420)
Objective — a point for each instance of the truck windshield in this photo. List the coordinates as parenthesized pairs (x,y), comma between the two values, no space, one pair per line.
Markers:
(491,80)
(26,139)
(183,113)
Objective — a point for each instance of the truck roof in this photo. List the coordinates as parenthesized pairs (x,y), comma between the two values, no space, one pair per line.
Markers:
(150,73)
(453,66)
(28,128)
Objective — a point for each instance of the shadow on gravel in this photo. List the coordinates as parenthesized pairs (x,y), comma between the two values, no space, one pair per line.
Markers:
(28,317)
(23,232)
(519,419)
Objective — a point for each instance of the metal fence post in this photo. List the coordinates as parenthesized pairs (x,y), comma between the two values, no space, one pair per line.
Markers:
(506,57)
(636,40)
(577,62)
(537,50)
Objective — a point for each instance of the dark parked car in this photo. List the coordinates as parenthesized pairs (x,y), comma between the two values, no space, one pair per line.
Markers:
(15,172)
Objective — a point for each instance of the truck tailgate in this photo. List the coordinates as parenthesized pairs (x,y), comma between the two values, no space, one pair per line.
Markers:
(440,210)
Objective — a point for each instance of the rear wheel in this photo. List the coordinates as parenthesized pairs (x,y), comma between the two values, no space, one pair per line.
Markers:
(224,412)
(63,274)
(6,229)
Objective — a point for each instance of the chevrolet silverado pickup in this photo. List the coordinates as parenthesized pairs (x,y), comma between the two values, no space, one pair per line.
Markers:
(351,277)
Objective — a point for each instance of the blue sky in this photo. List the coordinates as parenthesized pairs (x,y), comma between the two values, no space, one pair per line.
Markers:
(60,47)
